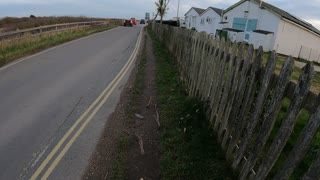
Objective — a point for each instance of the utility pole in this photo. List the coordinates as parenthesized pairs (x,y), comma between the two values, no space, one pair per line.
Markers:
(178,23)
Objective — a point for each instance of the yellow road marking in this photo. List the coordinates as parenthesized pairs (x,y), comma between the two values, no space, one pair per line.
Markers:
(114,82)
(75,136)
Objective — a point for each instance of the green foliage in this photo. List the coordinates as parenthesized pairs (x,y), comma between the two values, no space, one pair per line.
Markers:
(162,8)
(118,164)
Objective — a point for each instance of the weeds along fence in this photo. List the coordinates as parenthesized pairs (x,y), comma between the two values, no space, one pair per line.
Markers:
(55,28)
(245,98)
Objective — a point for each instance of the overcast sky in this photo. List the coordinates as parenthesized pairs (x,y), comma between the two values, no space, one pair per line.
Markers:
(308,10)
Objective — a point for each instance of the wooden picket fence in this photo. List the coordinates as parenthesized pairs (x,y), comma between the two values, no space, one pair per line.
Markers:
(243,95)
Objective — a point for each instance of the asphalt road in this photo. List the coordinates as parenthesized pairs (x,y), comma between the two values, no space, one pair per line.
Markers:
(43,96)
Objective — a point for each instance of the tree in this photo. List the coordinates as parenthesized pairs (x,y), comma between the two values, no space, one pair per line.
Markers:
(161,9)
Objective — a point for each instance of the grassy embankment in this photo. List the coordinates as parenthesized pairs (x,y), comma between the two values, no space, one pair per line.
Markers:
(188,146)
(13,49)
(119,164)
(188,149)
(186,155)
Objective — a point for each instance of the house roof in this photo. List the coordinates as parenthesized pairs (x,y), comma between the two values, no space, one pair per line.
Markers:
(217,10)
(281,13)
(198,10)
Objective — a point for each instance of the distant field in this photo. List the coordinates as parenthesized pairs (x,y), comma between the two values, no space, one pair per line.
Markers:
(14,23)
(28,44)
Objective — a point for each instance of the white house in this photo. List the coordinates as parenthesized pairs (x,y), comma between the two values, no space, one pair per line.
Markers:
(260,23)
(209,20)
(192,18)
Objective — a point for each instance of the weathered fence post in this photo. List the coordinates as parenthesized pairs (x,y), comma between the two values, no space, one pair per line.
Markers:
(245,97)
(287,125)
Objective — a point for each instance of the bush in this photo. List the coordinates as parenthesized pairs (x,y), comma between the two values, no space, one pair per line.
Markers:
(169,22)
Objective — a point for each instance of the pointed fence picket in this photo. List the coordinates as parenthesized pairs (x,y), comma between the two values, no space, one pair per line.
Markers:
(243,96)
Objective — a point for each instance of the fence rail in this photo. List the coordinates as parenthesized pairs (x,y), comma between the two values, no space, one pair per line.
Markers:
(48,28)
(244,96)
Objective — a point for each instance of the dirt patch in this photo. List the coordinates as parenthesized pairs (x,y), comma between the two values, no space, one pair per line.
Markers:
(129,146)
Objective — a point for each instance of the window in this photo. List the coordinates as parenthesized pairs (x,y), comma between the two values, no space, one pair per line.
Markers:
(244,24)
(239,23)
(209,20)
(202,21)
(194,20)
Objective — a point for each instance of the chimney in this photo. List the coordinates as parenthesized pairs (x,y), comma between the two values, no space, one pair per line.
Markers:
(260,4)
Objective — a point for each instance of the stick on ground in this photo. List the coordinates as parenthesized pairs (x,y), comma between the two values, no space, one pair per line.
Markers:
(140,144)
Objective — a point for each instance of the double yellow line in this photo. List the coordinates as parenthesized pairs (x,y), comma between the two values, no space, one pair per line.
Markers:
(102,98)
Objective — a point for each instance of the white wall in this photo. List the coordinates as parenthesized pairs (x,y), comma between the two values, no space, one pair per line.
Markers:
(211,21)
(266,21)
(192,19)
(235,36)
(264,40)
(297,41)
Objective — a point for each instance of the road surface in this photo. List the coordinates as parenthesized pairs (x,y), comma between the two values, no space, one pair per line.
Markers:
(54,104)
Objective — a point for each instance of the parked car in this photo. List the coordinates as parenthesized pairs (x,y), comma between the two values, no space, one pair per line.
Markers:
(127,22)
(134,22)
(142,21)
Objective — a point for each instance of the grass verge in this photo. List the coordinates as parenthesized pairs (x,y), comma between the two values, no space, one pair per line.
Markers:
(119,165)
(188,147)
(10,50)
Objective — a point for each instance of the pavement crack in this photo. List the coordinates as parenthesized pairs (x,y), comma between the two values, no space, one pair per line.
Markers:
(68,116)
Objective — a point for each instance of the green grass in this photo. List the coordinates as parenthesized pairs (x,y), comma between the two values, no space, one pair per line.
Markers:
(315,87)
(119,163)
(301,121)
(188,147)
(29,45)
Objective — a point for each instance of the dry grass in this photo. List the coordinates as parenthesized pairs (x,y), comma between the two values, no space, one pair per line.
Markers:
(28,44)
(315,87)
(13,23)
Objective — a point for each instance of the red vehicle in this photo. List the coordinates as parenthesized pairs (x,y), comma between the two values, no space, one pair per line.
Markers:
(127,22)
(133,20)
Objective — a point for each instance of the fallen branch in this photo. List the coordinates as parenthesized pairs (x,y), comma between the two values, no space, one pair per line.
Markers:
(139,116)
(140,93)
(149,101)
(140,144)
(157,117)
(106,176)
